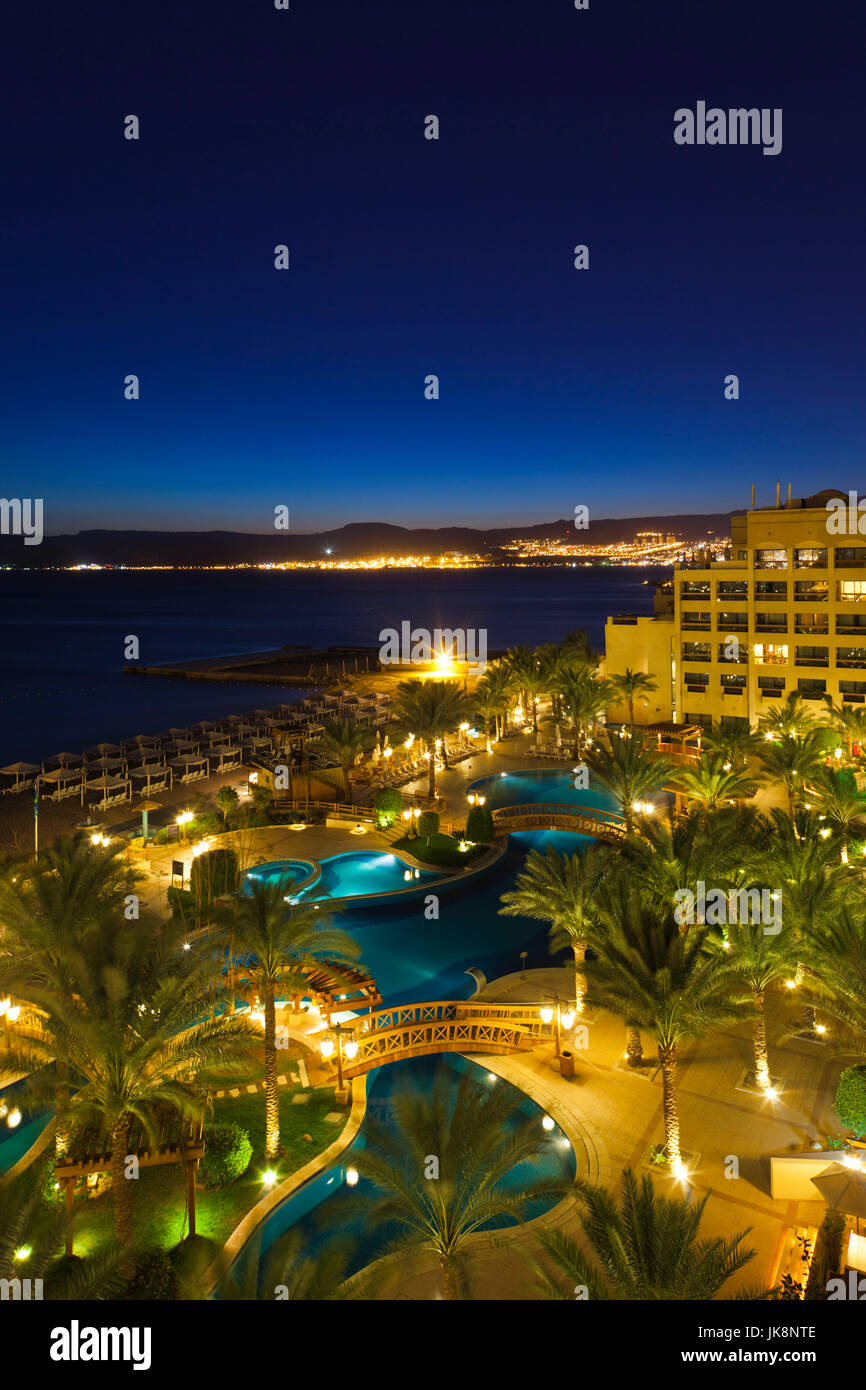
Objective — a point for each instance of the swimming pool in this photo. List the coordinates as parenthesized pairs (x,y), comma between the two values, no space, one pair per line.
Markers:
(351,875)
(515,788)
(288,872)
(325,1204)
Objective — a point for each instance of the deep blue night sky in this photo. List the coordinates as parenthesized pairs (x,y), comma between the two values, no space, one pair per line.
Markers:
(411,256)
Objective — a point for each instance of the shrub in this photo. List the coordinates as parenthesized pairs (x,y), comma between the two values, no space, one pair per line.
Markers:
(479,825)
(227,1153)
(850,1099)
(213,874)
(153,1277)
(387,805)
(227,800)
(428,824)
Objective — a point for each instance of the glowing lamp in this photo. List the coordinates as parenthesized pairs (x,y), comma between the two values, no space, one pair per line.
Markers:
(269,1177)
(13,1119)
(326,1047)
(351,1177)
(548,1123)
(351,1049)
(546,1013)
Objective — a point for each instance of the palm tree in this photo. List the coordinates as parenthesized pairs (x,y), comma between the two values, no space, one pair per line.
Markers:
(714,783)
(340,744)
(494,693)
(644,1248)
(475,1142)
(732,742)
(227,800)
(559,889)
(789,719)
(664,981)
(50,908)
(583,699)
(838,977)
(522,667)
(135,1032)
(626,768)
(847,720)
(27,1220)
(792,761)
(839,802)
(276,941)
(758,959)
(431,710)
(630,686)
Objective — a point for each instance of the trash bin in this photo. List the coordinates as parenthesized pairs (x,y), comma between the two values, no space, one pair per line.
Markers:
(566,1063)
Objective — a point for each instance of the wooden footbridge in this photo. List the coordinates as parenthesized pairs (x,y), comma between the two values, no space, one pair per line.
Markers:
(560,815)
(415,1030)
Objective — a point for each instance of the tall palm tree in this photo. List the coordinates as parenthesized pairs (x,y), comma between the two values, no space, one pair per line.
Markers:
(494,691)
(521,664)
(583,699)
(630,686)
(340,743)
(792,761)
(630,773)
(135,1031)
(643,1247)
(559,889)
(838,977)
(666,982)
(759,959)
(476,1142)
(431,710)
(713,783)
(275,941)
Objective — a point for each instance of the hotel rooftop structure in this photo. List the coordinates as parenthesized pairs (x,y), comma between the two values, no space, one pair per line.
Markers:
(731,638)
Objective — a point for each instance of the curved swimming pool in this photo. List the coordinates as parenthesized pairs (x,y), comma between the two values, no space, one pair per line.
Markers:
(326,1205)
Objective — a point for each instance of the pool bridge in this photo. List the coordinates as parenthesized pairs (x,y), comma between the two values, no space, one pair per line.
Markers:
(560,815)
(416,1030)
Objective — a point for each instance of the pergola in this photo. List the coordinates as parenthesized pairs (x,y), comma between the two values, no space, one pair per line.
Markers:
(179,1141)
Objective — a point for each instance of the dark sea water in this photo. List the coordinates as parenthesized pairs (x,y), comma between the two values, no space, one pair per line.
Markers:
(62,680)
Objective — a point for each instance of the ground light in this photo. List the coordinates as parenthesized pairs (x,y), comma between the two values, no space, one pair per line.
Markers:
(23,1252)
(269,1177)
(548,1123)
(351,1177)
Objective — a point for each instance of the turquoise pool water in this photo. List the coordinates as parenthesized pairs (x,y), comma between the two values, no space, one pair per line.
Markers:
(325,1204)
(515,788)
(349,875)
(287,871)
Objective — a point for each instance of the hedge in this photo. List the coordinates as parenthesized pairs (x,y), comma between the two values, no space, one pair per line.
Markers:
(227,1153)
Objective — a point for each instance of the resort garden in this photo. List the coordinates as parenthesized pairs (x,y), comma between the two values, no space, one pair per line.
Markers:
(724,888)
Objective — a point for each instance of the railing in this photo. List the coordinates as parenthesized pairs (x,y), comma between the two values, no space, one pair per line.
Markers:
(560,815)
(414,1030)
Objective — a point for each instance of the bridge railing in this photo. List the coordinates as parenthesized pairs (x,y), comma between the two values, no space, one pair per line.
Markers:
(584,818)
(527,1017)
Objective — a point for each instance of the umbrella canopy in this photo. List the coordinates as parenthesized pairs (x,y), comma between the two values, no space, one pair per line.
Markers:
(65,758)
(18,769)
(61,774)
(844,1189)
(139,740)
(104,763)
(186,760)
(99,749)
(107,783)
(205,725)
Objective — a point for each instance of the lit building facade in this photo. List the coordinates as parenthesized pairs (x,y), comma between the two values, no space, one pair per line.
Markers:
(787,612)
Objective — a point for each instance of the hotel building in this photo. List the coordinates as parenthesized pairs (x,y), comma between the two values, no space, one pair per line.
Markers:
(731,638)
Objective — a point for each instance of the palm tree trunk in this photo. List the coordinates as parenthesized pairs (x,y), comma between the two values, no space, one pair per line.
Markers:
(61,1132)
(272,1096)
(431,782)
(449,1280)
(631,713)
(121,1185)
(759,1042)
(668,1059)
(535,718)
(633,1045)
(579,950)
(347,785)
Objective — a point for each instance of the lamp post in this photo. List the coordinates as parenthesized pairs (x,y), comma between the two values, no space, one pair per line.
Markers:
(338,1049)
(561,1015)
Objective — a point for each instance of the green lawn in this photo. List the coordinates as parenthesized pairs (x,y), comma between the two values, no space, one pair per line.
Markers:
(440,850)
(160,1197)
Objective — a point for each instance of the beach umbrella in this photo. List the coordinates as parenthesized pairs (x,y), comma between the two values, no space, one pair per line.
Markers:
(205,725)
(105,764)
(19,770)
(65,758)
(843,1189)
(99,749)
(144,807)
(140,741)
